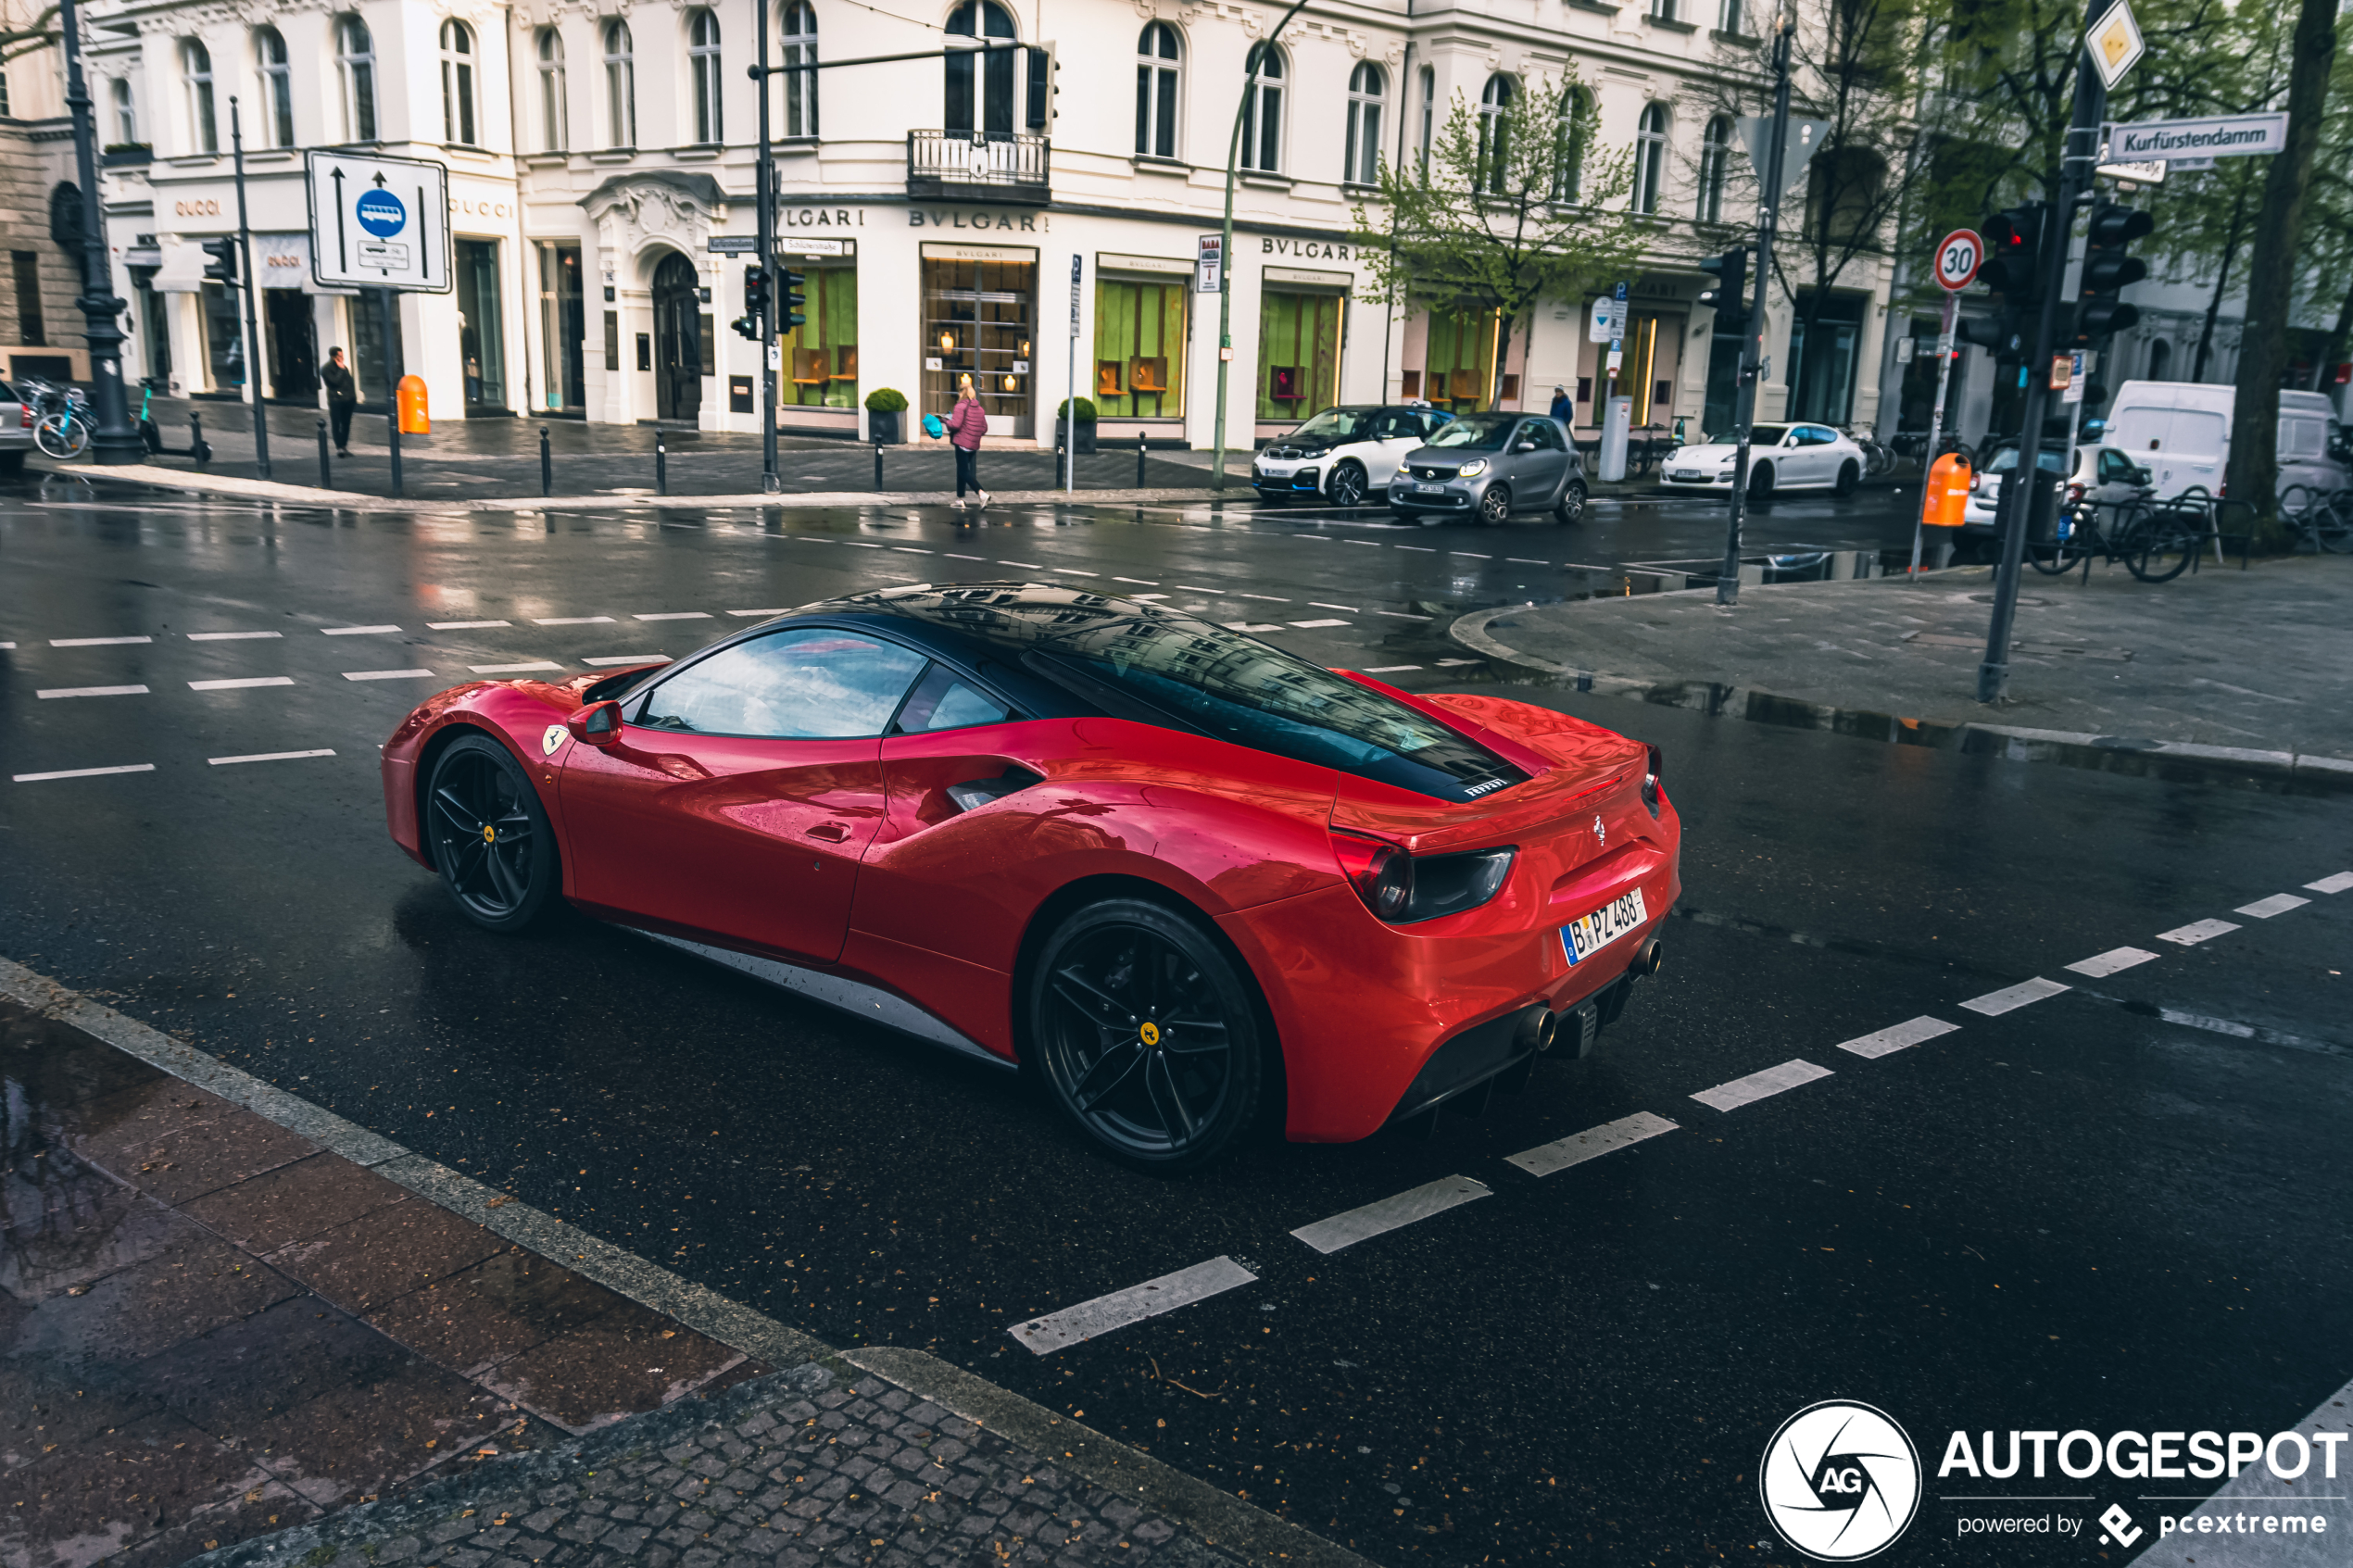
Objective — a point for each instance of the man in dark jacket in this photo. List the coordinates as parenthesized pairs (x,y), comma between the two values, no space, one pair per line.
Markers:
(342,396)
(1563,407)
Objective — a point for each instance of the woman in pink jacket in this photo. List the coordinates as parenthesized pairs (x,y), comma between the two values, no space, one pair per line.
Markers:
(966,424)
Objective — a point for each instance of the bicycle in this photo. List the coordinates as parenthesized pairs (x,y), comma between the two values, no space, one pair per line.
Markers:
(1878,457)
(63,428)
(2324,517)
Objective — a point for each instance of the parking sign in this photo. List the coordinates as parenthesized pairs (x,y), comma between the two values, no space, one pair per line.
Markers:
(380,222)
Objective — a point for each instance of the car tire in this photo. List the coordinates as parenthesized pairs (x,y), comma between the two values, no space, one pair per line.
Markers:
(1496,504)
(489,838)
(1148,1034)
(1572,503)
(1347,485)
(1848,477)
(1760,482)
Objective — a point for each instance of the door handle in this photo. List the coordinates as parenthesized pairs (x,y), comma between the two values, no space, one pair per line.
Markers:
(831,833)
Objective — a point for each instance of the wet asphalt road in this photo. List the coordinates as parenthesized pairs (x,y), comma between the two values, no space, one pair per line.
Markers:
(2119,1207)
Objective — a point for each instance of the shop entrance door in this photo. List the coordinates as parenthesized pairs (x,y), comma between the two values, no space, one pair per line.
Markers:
(977,321)
(677,341)
(294,351)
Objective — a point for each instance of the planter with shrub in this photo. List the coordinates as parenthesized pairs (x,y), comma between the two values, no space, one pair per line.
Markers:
(884,408)
(1086,433)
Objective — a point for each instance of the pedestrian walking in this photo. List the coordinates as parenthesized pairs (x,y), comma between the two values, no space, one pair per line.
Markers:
(1564,406)
(343,397)
(967,422)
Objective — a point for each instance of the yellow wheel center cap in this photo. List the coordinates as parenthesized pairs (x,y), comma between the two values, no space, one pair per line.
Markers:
(1151,1033)
(489,834)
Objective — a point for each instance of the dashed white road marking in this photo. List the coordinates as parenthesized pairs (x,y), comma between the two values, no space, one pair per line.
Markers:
(1073,1325)
(629,659)
(1896,1037)
(7,647)
(953,556)
(1073,571)
(1140,581)
(386,675)
(1025,565)
(513,669)
(1401,615)
(2336,884)
(2277,904)
(2099,966)
(230,637)
(863,543)
(1387,669)
(1389,1213)
(1368,544)
(1251,626)
(1318,604)
(571,621)
(2202,930)
(464,625)
(1420,549)
(91,691)
(1196,588)
(1523,561)
(85,772)
(1450,663)
(1268,597)
(267,756)
(1759,1086)
(1311,625)
(748,614)
(94,642)
(2011,997)
(1473,553)
(241,684)
(674,615)
(352,631)
(904,550)
(1590,1143)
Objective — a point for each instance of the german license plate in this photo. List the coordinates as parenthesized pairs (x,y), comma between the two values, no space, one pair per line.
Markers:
(1429,490)
(1588,934)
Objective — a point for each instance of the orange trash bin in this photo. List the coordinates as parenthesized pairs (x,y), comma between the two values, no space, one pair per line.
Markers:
(1948,484)
(410,396)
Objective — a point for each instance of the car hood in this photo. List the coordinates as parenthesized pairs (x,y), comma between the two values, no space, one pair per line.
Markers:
(1713,451)
(1445,455)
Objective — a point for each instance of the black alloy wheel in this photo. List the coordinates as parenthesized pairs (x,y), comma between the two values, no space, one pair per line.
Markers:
(1760,482)
(1348,485)
(1495,506)
(1572,503)
(1849,476)
(490,839)
(1148,1034)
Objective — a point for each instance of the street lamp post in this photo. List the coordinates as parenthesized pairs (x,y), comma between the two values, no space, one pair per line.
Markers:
(254,378)
(1727,580)
(764,185)
(114,442)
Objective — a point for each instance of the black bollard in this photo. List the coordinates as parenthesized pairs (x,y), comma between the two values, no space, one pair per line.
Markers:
(877,466)
(546,465)
(1140,462)
(326,463)
(662,466)
(199,447)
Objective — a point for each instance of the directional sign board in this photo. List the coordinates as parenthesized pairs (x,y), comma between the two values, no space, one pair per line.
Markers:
(1959,255)
(378,223)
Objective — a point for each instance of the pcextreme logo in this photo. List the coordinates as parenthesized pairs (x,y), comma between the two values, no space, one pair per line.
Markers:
(1839,1481)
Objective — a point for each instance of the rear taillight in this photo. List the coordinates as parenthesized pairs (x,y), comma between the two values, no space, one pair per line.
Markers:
(24,415)
(1657,765)
(1401,888)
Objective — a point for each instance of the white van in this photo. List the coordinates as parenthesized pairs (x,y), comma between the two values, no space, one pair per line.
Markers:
(2181,432)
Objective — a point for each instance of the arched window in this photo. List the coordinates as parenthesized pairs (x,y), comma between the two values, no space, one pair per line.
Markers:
(1494,132)
(554,108)
(1159,65)
(355,63)
(1650,158)
(1429,114)
(702,60)
(621,85)
(1715,158)
(1360,164)
(1263,113)
(126,113)
(277,87)
(457,83)
(1574,133)
(980,93)
(195,72)
(800,87)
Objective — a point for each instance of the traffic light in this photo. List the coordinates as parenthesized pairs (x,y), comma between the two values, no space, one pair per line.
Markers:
(223,267)
(2003,333)
(1730,294)
(792,315)
(2014,252)
(753,322)
(2107,269)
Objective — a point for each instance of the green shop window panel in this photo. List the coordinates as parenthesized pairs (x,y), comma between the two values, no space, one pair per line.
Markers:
(1298,354)
(1140,349)
(1459,364)
(821,355)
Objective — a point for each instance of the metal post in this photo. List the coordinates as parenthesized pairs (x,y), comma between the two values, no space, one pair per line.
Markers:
(764,193)
(1070,378)
(1728,581)
(1140,462)
(326,459)
(253,336)
(662,465)
(2018,513)
(878,447)
(114,440)
(388,322)
(1935,419)
(546,465)
(199,447)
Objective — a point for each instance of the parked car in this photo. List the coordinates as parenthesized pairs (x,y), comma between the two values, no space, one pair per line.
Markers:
(1488,465)
(1346,455)
(1791,457)
(2106,474)
(2182,431)
(15,429)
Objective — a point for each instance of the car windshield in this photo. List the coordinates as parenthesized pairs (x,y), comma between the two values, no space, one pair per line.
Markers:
(1336,426)
(1477,433)
(1163,667)
(2050,459)
(1767,435)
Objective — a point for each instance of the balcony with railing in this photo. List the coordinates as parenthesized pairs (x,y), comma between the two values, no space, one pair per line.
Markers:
(977,166)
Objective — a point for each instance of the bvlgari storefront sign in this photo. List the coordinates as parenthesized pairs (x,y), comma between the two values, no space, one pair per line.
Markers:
(979,218)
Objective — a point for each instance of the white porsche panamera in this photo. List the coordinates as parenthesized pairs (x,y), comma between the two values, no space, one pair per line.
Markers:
(1783,457)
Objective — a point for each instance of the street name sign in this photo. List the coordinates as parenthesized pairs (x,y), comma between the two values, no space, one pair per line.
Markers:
(733,244)
(2115,42)
(2178,141)
(378,223)
(1959,255)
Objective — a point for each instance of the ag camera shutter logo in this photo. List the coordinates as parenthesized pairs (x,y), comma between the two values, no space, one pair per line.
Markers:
(1841,1481)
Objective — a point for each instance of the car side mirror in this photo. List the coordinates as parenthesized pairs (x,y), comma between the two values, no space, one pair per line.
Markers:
(1525,446)
(598,724)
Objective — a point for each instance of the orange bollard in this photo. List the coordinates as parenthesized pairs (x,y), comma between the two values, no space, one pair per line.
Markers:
(411,396)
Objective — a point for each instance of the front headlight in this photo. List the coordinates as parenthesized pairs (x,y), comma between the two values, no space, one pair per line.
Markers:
(1473,468)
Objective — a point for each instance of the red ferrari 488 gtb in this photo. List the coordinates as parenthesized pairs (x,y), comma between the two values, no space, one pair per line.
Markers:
(1185,876)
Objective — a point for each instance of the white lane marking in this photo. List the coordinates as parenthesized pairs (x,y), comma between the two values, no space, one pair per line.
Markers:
(1147,598)
(630,658)
(2011,997)
(748,614)
(230,637)
(1318,604)
(267,756)
(357,631)
(94,642)
(1074,572)
(1473,553)
(571,621)
(1311,625)
(2099,966)
(1073,1326)
(1025,565)
(953,556)
(863,543)
(85,772)
(386,675)
(1141,581)
(1450,663)
(674,615)
(1195,588)
(7,646)
(91,691)
(1523,561)
(1401,615)
(241,684)
(1594,1142)
(1404,1209)
(1251,626)
(513,669)
(2277,904)
(1389,668)
(460,625)
(1268,597)
(1368,544)
(1758,1085)
(1896,1037)
(904,550)
(1420,549)
(2191,935)
(2336,884)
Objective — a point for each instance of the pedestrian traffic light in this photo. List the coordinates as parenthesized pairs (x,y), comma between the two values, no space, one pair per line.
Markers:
(2014,252)
(2107,269)
(794,299)
(223,267)
(753,322)
(1730,294)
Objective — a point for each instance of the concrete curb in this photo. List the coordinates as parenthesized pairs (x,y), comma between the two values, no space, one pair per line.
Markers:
(1112,1465)
(2107,754)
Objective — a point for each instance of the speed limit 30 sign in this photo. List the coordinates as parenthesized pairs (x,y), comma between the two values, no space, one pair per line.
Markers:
(1959,255)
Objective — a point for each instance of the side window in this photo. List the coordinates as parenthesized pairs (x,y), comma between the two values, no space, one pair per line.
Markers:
(814,683)
(1530,433)
(1814,435)
(945,700)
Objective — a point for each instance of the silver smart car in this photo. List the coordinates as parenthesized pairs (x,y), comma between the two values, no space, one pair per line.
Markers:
(1488,465)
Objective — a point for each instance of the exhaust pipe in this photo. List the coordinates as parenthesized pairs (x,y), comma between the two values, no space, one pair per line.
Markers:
(1538,1025)
(1647,959)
